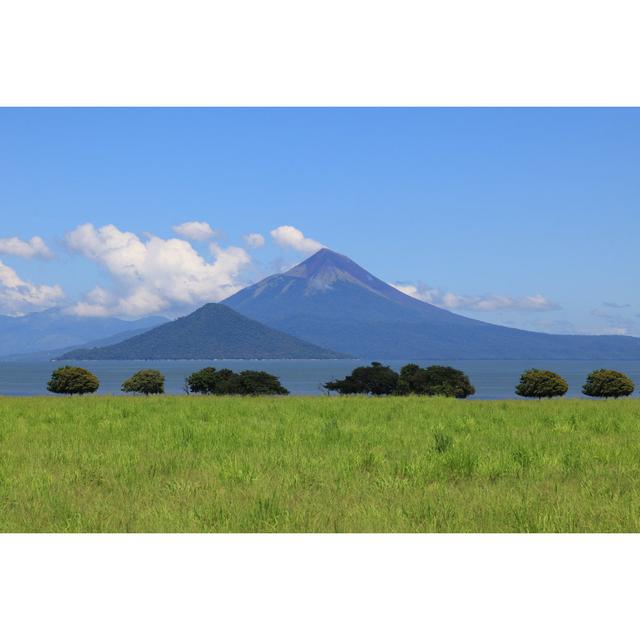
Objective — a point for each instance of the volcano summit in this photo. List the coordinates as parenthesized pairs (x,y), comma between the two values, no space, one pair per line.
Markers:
(333,302)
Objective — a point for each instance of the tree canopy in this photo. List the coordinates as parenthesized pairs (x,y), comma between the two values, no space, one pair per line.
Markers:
(209,381)
(606,383)
(225,382)
(376,380)
(435,380)
(256,383)
(539,383)
(146,381)
(73,381)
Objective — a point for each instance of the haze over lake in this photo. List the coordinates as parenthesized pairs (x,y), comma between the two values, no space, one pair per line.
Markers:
(493,379)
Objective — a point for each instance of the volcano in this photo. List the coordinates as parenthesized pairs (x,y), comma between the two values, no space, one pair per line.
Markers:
(210,332)
(331,301)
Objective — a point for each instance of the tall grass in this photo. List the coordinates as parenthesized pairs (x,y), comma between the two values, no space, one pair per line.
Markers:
(318,465)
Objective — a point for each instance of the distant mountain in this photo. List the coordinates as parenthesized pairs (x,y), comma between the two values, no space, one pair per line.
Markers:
(53,354)
(211,332)
(55,329)
(331,301)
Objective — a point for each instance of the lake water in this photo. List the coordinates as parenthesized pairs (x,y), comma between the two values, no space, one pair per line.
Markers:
(493,379)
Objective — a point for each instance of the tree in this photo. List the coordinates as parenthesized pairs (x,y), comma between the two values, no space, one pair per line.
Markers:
(209,381)
(203,381)
(73,380)
(605,383)
(226,382)
(376,380)
(146,381)
(538,383)
(256,383)
(434,381)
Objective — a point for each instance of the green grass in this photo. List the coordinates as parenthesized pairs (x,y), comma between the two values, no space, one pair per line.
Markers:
(318,464)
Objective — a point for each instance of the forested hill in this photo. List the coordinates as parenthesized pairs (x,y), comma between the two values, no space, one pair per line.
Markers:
(213,331)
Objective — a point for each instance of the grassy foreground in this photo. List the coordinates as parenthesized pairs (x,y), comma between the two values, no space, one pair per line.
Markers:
(318,464)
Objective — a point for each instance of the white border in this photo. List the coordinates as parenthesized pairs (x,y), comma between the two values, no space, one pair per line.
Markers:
(319,586)
(319,52)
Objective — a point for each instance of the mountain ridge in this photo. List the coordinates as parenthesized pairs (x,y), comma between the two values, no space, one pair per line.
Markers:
(53,354)
(54,329)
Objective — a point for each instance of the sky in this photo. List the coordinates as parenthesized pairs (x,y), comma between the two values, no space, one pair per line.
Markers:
(523,217)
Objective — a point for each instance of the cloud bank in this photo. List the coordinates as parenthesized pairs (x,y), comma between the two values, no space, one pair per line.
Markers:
(153,275)
(18,296)
(490,302)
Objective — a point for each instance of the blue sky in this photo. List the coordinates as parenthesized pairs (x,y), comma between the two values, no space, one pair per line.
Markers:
(526,217)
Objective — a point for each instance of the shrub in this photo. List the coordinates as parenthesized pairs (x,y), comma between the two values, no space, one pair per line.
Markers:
(605,383)
(538,383)
(146,381)
(73,380)
(376,380)
(226,382)
(434,381)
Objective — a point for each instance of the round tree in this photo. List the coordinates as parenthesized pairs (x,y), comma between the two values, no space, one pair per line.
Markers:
(73,380)
(538,383)
(146,381)
(605,383)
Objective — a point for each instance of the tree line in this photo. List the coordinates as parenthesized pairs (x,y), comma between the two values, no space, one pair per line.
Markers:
(78,381)
(375,380)
(378,380)
(381,380)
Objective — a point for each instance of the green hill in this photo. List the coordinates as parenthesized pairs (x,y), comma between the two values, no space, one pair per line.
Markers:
(212,332)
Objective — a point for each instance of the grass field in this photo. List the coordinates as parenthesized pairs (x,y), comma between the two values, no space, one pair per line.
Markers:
(197,464)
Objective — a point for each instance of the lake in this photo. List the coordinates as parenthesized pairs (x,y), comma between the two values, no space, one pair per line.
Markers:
(493,379)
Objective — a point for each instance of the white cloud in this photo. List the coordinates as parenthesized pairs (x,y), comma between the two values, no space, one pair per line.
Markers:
(254,240)
(152,275)
(490,302)
(34,248)
(287,236)
(194,230)
(18,296)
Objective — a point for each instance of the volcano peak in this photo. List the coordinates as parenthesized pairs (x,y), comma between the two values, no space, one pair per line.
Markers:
(326,267)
